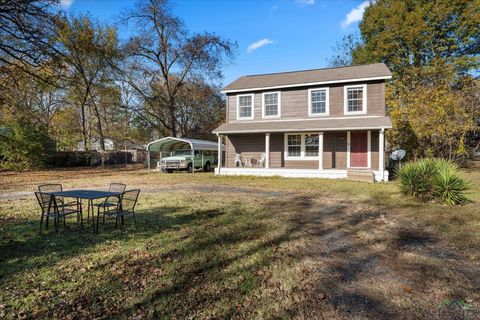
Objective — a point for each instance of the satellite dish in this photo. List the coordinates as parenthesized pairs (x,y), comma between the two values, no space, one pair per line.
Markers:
(398,155)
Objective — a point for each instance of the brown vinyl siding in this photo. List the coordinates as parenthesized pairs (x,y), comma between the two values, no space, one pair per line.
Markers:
(246,144)
(294,102)
(276,150)
(301,164)
(335,150)
(334,155)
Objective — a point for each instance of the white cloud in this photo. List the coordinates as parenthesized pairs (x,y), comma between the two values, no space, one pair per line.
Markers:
(66,3)
(258,44)
(275,7)
(305,2)
(356,14)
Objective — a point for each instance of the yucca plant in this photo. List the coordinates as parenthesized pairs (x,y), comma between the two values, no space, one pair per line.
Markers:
(433,179)
(448,186)
(416,178)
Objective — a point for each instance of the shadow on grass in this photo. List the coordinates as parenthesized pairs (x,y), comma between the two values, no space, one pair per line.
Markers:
(27,248)
(208,263)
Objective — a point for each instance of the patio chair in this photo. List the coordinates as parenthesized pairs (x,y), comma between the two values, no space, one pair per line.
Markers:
(126,207)
(238,160)
(56,187)
(261,161)
(50,208)
(111,202)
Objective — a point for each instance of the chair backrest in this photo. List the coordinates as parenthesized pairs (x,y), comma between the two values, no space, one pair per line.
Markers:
(117,187)
(50,187)
(44,200)
(237,156)
(263,156)
(129,199)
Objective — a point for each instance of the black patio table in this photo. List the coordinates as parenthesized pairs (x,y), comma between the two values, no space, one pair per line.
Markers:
(89,195)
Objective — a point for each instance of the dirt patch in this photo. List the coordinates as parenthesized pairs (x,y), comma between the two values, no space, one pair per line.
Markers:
(367,264)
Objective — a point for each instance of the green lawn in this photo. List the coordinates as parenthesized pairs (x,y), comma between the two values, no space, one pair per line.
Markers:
(241,247)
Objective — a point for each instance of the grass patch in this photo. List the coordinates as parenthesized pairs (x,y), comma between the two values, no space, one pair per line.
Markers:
(231,247)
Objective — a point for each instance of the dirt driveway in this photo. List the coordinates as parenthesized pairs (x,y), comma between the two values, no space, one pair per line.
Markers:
(358,262)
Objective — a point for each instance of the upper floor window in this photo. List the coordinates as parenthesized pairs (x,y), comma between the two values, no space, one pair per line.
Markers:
(355,98)
(271,104)
(245,106)
(318,102)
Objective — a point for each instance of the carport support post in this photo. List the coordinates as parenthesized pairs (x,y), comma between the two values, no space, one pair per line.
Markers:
(148,161)
(193,160)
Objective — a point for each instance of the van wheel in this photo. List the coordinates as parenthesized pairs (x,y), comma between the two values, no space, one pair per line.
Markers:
(190,168)
(207,167)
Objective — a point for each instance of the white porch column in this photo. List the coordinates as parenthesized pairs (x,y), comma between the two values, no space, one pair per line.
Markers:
(320,151)
(348,149)
(267,150)
(219,156)
(381,154)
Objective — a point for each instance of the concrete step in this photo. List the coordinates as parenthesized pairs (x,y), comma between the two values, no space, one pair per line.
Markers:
(361,175)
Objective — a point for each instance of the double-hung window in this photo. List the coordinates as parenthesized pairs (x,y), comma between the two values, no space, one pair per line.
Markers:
(311,145)
(294,145)
(318,102)
(302,146)
(271,104)
(355,97)
(245,106)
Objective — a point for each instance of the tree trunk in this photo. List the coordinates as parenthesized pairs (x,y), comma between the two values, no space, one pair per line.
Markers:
(84,123)
(171,118)
(100,132)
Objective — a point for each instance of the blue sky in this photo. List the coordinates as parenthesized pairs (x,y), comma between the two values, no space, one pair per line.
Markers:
(272,36)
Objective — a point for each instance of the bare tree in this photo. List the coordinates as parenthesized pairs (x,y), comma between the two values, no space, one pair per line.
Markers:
(165,57)
(89,52)
(26,27)
(343,51)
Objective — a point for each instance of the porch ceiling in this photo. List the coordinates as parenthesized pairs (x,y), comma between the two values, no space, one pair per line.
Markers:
(325,124)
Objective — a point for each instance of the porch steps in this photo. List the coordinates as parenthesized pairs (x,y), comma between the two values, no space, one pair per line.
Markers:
(361,175)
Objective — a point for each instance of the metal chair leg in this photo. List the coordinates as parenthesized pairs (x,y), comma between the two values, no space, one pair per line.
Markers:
(98,217)
(41,220)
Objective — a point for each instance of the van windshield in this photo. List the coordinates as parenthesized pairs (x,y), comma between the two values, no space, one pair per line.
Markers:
(181,153)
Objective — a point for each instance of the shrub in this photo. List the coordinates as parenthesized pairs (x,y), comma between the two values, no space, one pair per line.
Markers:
(24,146)
(448,185)
(433,179)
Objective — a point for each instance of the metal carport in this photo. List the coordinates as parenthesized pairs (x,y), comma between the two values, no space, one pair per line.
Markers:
(169,144)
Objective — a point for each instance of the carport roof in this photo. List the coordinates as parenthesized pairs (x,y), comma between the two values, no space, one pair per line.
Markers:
(170,144)
(326,124)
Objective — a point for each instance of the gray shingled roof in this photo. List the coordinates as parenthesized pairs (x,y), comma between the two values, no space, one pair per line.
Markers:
(309,76)
(306,125)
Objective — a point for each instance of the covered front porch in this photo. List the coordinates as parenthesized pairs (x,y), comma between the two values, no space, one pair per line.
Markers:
(336,154)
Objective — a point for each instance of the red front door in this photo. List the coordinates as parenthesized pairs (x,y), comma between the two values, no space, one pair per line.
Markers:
(358,149)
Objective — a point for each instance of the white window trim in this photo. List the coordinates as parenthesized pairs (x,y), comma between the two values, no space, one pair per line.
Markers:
(238,106)
(279,107)
(302,156)
(364,100)
(327,102)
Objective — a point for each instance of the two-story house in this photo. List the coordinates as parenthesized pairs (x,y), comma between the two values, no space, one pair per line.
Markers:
(326,123)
